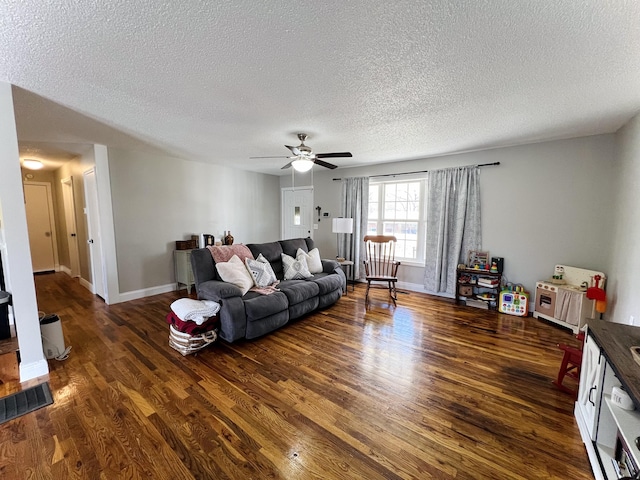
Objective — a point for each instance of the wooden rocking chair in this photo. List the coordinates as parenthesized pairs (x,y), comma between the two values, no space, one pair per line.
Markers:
(381,265)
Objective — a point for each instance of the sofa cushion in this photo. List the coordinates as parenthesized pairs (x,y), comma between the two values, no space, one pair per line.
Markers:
(302,308)
(258,306)
(295,268)
(216,290)
(267,324)
(290,247)
(313,259)
(327,282)
(298,290)
(234,271)
(271,251)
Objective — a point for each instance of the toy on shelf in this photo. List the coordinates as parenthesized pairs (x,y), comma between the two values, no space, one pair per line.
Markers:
(558,275)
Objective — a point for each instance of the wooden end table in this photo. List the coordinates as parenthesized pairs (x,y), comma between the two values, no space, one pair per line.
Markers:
(350,264)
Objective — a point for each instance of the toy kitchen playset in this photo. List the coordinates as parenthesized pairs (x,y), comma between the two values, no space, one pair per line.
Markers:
(571,297)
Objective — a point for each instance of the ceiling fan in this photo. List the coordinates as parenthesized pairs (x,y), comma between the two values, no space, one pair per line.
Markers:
(303,157)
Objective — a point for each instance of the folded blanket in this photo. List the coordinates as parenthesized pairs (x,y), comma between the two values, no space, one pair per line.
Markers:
(191,327)
(195,310)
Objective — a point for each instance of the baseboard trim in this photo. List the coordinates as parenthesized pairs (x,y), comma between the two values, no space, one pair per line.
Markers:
(416,287)
(146,292)
(87,285)
(66,270)
(32,370)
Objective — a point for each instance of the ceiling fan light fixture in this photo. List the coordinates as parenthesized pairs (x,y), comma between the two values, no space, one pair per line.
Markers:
(32,164)
(302,164)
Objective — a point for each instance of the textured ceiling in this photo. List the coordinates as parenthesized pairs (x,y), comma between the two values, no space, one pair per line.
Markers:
(222,81)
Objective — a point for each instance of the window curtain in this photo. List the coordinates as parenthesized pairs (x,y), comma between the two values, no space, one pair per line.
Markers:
(453,224)
(355,204)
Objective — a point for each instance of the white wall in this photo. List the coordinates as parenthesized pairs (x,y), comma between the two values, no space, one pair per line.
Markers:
(546,203)
(158,200)
(624,237)
(14,237)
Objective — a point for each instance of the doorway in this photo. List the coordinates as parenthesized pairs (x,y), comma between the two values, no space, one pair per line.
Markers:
(41,226)
(70,222)
(297,212)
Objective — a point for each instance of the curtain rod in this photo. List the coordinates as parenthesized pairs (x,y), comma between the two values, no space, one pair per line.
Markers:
(424,171)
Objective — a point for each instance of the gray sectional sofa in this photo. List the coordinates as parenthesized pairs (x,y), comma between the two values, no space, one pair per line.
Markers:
(255,314)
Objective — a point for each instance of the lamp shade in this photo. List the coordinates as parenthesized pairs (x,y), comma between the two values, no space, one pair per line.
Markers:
(302,164)
(342,225)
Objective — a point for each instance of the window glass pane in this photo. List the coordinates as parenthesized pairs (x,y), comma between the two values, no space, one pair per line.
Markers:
(389,210)
(389,192)
(401,211)
(296,215)
(413,210)
(401,192)
(414,191)
(373,210)
(372,228)
(373,193)
(411,249)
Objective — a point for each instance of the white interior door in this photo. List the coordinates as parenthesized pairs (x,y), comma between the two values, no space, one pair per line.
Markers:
(70,222)
(93,227)
(297,212)
(39,207)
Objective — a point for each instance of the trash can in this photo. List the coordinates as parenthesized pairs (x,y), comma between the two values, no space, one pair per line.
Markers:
(52,337)
(5,299)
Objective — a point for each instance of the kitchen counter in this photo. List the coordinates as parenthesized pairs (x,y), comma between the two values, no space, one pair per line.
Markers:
(615,341)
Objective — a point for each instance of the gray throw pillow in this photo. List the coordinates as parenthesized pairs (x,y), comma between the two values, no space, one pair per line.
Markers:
(261,271)
(295,269)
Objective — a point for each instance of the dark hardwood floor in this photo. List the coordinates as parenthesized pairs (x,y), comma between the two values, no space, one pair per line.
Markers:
(423,390)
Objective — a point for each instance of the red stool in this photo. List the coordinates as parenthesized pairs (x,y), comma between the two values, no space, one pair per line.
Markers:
(570,366)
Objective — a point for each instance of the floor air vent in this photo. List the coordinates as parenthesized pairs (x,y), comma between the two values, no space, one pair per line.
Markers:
(25,401)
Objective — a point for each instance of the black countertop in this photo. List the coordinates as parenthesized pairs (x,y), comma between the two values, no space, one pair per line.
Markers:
(615,341)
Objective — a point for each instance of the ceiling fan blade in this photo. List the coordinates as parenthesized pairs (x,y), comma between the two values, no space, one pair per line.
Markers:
(324,164)
(279,156)
(294,150)
(334,155)
(288,165)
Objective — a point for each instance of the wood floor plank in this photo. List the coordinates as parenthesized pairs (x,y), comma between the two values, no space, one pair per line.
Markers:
(426,389)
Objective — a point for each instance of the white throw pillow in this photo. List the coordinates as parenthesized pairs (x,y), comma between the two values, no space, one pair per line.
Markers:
(312,258)
(295,268)
(235,272)
(261,271)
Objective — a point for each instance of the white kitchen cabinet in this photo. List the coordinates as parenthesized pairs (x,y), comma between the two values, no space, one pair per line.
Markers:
(600,421)
(184,273)
(590,391)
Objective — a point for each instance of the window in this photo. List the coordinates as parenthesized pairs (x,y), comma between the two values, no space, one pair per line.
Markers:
(396,208)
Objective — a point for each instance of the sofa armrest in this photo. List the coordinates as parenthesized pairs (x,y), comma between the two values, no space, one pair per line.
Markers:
(216,290)
(329,266)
